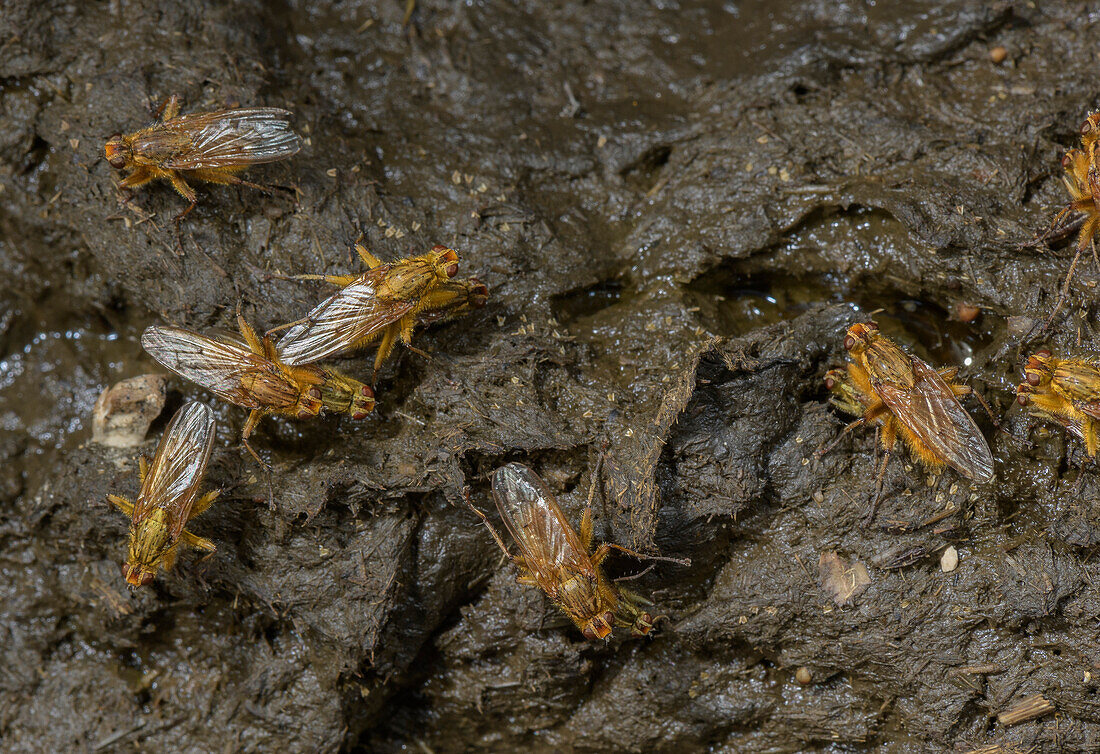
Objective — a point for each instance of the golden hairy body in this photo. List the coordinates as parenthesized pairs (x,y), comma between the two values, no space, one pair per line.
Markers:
(169,496)
(558,560)
(1064,390)
(211,147)
(248,372)
(909,401)
(383,305)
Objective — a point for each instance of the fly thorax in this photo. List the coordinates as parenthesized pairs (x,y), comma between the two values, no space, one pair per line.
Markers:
(406,280)
(335,398)
(149,539)
(581,590)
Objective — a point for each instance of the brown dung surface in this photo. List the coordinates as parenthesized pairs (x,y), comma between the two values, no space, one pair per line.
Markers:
(678,207)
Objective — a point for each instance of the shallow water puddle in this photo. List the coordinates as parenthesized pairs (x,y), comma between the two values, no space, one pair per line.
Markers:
(50,379)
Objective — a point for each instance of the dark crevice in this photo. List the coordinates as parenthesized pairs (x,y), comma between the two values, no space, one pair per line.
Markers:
(36,156)
(581,304)
(643,173)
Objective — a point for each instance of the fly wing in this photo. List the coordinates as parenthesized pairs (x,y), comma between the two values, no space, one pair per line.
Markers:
(231,138)
(548,543)
(179,465)
(218,366)
(341,322)
(930,411)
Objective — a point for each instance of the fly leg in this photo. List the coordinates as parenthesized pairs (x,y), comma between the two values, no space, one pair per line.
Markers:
(832,444)
(1088,429)
(1088,230)
(204,502)
(169,109)
(249,334)
(253,419)
(408,324)
(183,190)
(199,543)
(187,193)
(485,520)
(228,177)
(122,504)
(369,259)
(878,489)
(385,348)
(525,577)
(586,518)
(139,177)
(341,281)
(961,390)
(605,549)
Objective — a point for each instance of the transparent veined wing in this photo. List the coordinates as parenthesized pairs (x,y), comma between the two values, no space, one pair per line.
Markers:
(222,368)
(548,543)
(931,412)
(342,322)
(229,138)
(178,467)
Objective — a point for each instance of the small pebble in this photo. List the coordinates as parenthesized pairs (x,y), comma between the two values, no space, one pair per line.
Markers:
(950,560)
(998,55)
(804,675)
(122,414)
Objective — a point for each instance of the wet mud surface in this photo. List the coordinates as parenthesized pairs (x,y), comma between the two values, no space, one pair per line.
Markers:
(678,206)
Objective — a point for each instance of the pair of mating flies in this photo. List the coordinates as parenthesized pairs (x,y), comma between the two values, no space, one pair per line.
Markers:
(380,307)
(552,555)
